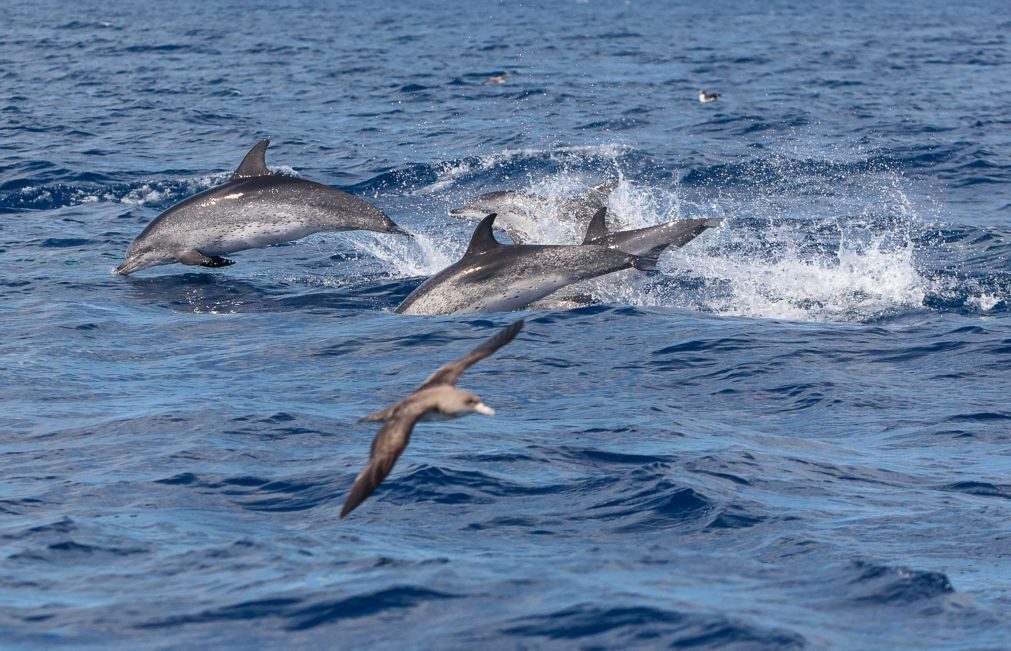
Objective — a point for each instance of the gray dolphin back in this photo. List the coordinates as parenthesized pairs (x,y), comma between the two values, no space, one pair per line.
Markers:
(495,277)
(651,240)
(256,208)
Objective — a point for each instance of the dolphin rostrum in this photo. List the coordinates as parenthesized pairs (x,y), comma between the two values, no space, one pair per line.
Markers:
(496,277)
(648,240)
(517,210)
(437,398)
(255,208)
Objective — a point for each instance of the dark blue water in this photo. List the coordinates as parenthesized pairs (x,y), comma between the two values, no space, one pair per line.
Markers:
(796,435)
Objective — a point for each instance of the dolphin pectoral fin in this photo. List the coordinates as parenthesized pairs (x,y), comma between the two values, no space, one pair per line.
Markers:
(217,261)
(194,257)
(648,261)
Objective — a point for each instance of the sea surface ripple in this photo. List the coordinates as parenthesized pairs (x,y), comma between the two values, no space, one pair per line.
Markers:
(795,435)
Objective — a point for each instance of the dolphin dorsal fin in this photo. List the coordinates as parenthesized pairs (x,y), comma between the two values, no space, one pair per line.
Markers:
(255,162)
(483,239)
(597,227)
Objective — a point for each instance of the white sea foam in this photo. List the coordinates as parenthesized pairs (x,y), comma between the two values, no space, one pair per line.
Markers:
(159,192)
(404,257)
(797,242)
(985,302)
(769,267)
(857,281)
(145,194)
(454,171)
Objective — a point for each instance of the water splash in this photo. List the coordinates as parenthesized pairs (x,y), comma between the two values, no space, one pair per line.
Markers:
(858,281)
(156,193)
(513,167)
(803,246)
(802,239)
(422,255)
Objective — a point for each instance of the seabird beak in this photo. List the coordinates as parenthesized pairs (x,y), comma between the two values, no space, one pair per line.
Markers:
(482,408)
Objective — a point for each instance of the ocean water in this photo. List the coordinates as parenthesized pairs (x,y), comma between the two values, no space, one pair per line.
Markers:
(795,435)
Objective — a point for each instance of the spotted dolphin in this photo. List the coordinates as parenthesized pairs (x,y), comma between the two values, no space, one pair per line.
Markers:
(255,208)
(517,210)
(496,277)
(648,240)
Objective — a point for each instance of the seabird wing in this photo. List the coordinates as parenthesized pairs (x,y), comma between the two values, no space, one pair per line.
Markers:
(450,373)
(391,440)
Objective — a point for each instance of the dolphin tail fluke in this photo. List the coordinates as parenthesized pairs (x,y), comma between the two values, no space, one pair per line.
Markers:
(396,230)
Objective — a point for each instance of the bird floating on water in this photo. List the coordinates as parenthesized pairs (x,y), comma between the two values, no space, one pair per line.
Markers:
(706,98)
(436,399)
(498,79)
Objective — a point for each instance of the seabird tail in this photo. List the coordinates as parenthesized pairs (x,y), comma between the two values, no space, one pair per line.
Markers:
(378,416)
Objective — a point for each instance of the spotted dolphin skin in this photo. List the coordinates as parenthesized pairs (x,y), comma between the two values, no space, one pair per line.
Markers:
(496,277)
(255,208)
(649,240)
(517,210)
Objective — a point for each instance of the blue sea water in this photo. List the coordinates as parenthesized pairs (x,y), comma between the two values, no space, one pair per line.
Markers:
(795,435)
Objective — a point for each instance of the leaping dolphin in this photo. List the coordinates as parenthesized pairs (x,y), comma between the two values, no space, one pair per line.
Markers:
(649,240)
(255,208)
(514,209)
(496,277)
(437,398)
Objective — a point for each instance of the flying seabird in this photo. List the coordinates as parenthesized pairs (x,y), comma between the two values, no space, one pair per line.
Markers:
(705,97)
(436,399)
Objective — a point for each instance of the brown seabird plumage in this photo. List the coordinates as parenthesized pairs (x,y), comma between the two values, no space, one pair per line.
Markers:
(436,397)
